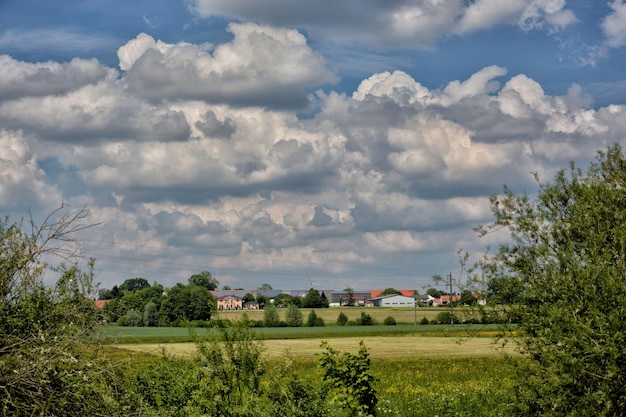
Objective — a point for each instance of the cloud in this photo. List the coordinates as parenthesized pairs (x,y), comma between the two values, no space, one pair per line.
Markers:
(23,184)
(22,79)
(614,25)
(401,24)
(262,66)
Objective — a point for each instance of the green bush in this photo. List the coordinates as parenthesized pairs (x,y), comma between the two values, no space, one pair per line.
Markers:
(365,320)
(389,321)
(342,319)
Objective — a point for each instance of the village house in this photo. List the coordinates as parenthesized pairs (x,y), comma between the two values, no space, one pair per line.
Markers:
(229,302)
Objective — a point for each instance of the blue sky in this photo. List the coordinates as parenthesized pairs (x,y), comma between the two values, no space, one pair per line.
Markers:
(349,143)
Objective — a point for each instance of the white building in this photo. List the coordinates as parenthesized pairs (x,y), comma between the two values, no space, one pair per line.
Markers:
(394,300)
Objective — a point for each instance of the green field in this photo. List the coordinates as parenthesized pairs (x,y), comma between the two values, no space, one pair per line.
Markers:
(422,370)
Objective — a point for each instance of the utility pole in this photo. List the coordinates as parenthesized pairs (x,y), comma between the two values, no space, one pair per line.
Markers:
(451,305)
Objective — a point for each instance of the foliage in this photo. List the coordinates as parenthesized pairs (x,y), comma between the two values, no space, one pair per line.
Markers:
(314,299)
(204,279)
(390,291)
(313,320)
(350,380)
(134,284)
(342,319)
(433,292)
(49,361)
(293,316)
(389,321)
(365,320)
(568,250)
(270,316)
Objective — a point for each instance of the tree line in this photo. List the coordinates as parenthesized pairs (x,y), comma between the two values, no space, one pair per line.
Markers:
(137,303)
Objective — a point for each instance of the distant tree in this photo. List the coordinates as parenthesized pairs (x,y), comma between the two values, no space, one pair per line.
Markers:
(349,300)
(204,279)
(312,319)
(150,314)
(342,319)
(270,316)
(266,287)
(248,297)
(183,302)
(132,318)
(293,316)
(467,298)
(282,300)
(313,299)
(105,294)
(433,292)
(116,292)
(262,299)
(390,321)
(226,287)
(390,291)
(134,284)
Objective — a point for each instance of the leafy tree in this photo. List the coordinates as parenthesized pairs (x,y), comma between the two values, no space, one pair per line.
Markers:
(204,279)
(390,291)
(226,287)
(185,302)
(568,250)
(467,298)
(313,299)
(293,316)
(282,300)
(390,321)
(266,287)
(134,284)
(433,292)
(150,314)
(270,316)
(248,297)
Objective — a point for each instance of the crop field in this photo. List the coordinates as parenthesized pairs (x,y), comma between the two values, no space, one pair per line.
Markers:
(379,347)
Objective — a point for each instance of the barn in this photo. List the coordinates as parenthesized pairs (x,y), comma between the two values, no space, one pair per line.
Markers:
(393,300)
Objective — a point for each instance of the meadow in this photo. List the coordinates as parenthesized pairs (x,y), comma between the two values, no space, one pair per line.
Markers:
(421,370)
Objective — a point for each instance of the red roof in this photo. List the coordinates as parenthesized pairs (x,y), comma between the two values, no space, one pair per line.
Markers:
(406,293)
(101,303)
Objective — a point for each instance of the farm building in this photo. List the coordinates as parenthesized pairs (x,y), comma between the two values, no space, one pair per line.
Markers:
(394,300)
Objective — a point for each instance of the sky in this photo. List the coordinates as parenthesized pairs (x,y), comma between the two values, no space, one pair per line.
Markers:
(298,144)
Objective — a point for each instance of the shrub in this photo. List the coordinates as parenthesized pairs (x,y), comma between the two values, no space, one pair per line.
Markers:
(342,319)
(424,321)
(365,320)
(390,321)
(350,380)
(293,316)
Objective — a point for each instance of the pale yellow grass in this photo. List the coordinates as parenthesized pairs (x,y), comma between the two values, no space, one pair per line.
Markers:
(379,347)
